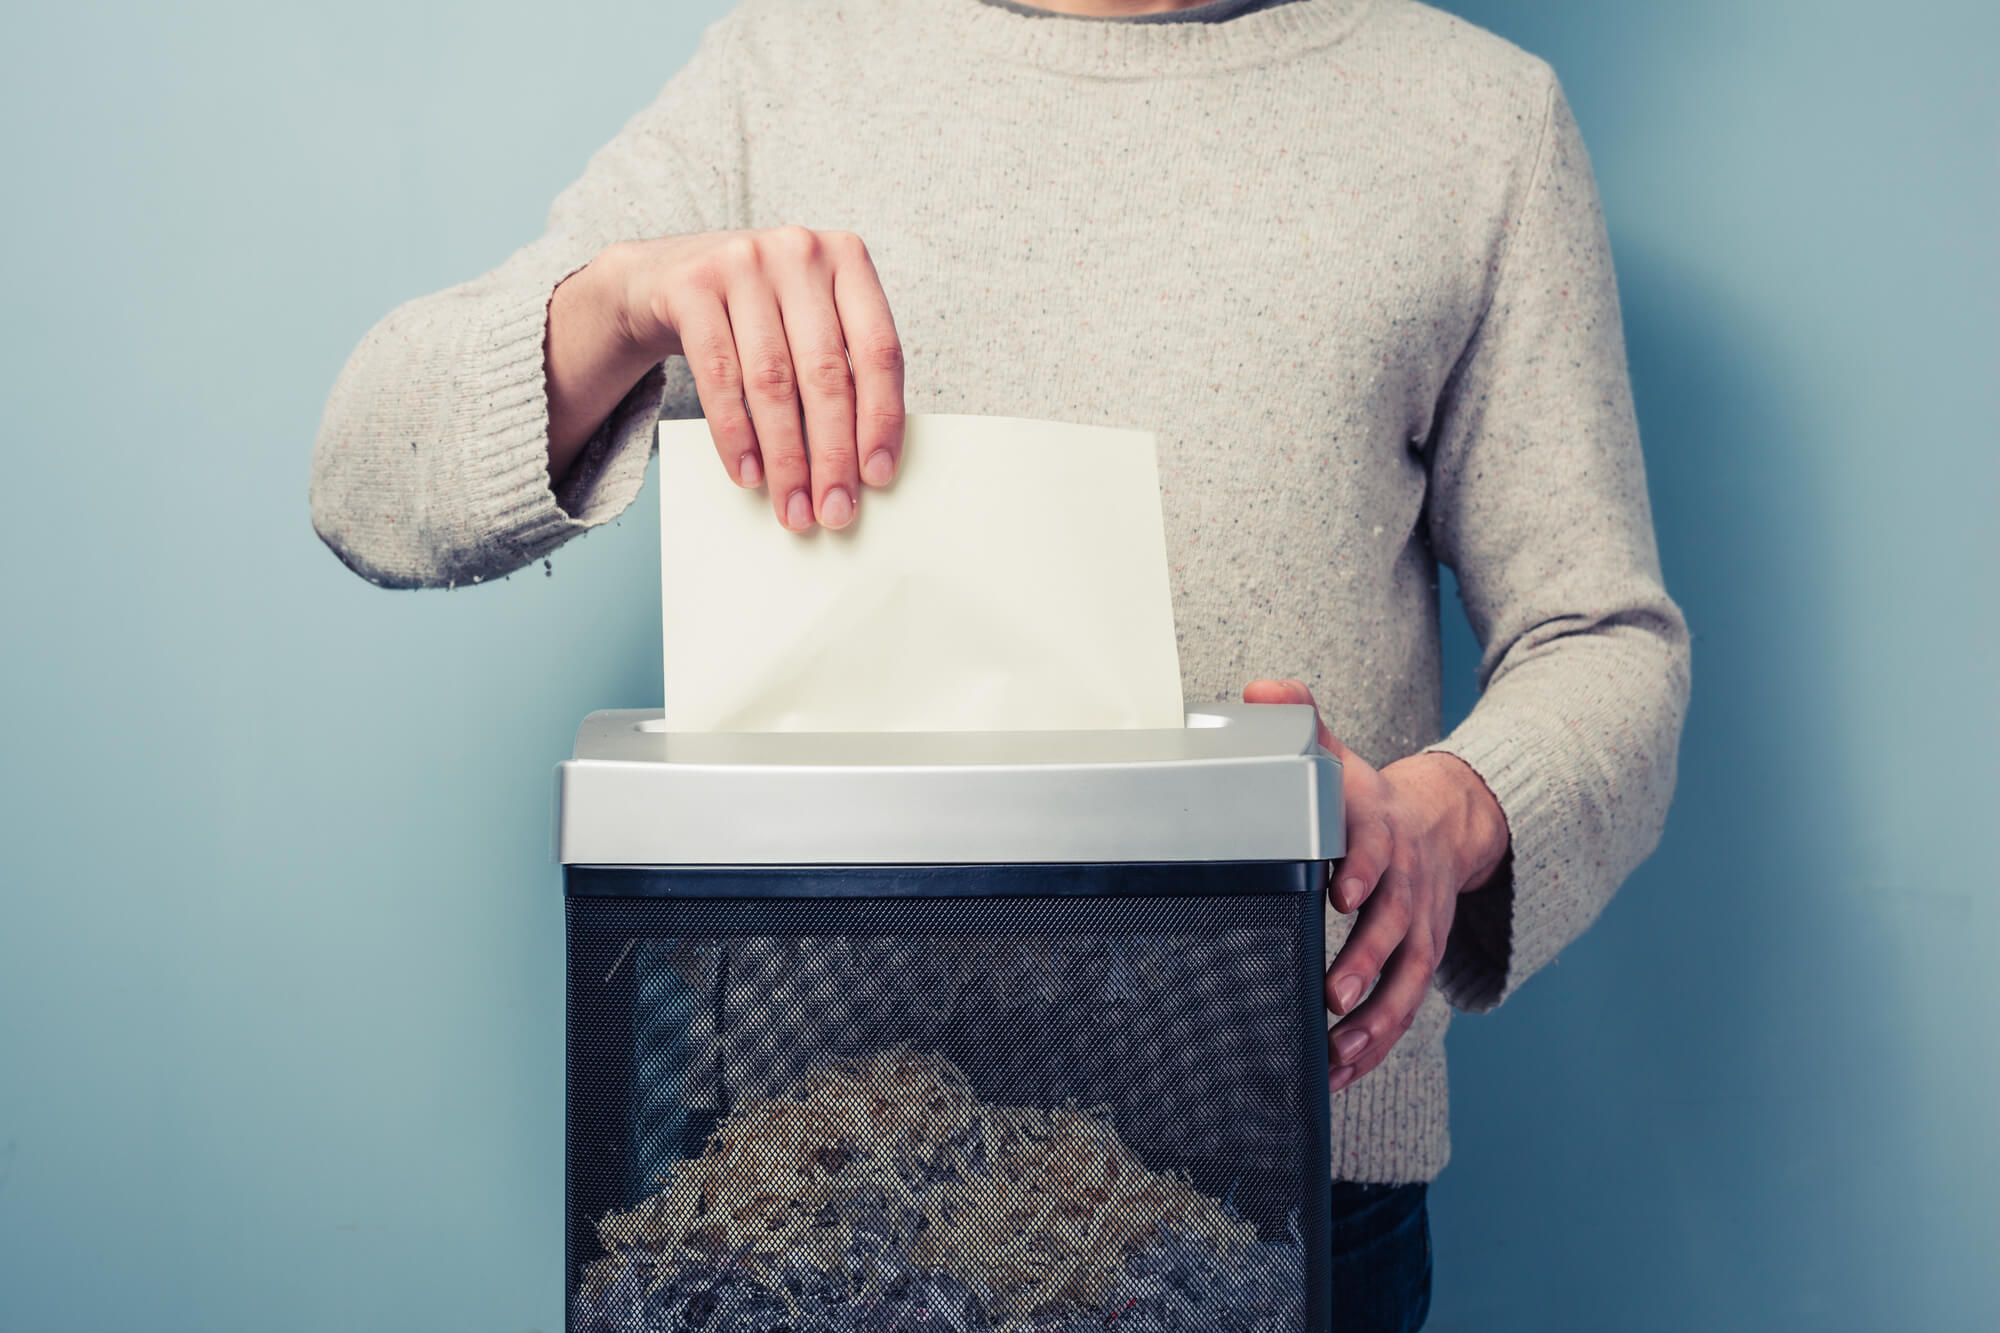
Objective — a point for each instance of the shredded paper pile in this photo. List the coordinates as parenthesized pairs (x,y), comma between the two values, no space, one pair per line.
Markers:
(882,1196)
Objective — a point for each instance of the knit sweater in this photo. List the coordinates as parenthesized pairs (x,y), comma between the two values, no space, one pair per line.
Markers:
(1344,257)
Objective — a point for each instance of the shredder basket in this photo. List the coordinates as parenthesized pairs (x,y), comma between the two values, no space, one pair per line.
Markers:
(1059,1097)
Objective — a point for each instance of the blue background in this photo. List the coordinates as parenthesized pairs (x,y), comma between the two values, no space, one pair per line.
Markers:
(280,969)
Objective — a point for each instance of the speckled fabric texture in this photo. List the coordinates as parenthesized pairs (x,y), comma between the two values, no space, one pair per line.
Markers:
(1344,257)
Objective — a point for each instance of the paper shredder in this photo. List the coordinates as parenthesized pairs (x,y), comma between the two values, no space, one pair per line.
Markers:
(972,1031)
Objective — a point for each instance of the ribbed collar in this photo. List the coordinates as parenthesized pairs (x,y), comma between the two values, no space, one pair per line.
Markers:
(1145,50)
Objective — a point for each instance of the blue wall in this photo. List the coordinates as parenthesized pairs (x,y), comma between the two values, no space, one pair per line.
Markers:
(280,981)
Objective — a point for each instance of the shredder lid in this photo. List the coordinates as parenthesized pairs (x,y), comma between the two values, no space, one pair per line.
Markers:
(1241,782)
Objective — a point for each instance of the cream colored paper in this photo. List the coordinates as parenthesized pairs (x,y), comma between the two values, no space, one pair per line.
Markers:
(1012,577)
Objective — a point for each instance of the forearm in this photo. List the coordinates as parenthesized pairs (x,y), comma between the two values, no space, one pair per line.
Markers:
(1538,503)
(428,468)
(592,358)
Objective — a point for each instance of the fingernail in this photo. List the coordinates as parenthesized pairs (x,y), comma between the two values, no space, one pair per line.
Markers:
(837,508)
(881,465)
(1350,1044)
(1341,1078)
(799,511)
(749,471)
(1350,893)
(1345,992)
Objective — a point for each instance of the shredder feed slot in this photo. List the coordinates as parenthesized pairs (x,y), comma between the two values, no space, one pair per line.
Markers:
(1251,783)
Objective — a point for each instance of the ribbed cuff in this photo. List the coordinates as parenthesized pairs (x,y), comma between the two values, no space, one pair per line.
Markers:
(1499,937)
(512,515)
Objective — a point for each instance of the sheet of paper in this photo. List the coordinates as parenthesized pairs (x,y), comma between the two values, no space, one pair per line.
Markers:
(1013,576)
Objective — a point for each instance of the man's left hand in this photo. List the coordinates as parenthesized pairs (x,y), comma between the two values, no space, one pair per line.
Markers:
(1420,831)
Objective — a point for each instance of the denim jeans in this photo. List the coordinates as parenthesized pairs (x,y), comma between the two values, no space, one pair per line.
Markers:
(1381,1258)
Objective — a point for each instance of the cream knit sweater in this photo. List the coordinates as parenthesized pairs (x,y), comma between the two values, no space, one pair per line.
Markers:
(1344,257)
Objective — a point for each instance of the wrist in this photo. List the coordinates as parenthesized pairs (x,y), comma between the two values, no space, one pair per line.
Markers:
(611,285)
(590,357)
(1488,839)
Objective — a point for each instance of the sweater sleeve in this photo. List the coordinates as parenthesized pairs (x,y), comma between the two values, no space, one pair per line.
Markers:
(1538,504)
(430,467)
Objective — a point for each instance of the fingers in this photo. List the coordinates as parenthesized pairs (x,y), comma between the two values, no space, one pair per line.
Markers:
(1289,691)
(1370,843)
(1377,933)
(710,347)
(1270,691)
(1375,937)
(1364,1038)
(875,353)
(802,276)
(770,387)
(798,366)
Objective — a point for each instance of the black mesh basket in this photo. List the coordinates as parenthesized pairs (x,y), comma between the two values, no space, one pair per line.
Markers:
(968,1098)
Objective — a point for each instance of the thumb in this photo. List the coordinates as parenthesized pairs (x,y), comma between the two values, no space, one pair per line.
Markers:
(1288,691)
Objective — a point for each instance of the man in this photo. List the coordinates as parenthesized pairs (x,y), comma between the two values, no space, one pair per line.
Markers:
(1344,257)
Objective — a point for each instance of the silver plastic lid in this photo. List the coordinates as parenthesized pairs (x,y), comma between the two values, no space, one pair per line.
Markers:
(1241,782)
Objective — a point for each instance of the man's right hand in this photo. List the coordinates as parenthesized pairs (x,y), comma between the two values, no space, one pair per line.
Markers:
(788,334)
